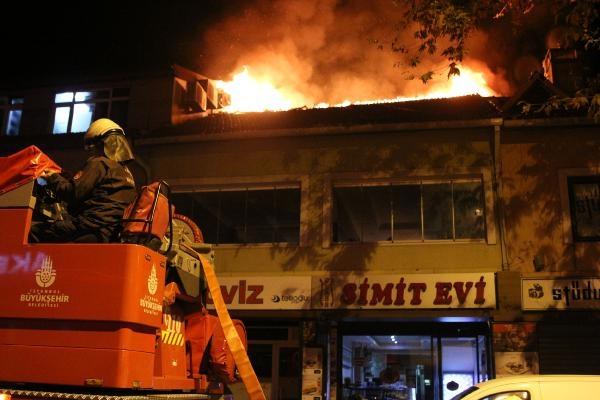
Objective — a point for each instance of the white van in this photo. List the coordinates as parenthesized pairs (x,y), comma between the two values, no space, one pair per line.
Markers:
(535,387)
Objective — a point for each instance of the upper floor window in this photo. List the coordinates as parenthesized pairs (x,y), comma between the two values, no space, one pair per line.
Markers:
(244,215)
(584,196)
(412,211)
(74,111)
(11,112)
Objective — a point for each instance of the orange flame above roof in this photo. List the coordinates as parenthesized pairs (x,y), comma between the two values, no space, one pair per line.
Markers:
(255,94)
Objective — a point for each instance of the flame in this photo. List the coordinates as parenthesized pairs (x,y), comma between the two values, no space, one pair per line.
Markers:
(250,94)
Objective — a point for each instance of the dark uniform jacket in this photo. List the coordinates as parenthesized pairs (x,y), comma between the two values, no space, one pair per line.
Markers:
(97,195)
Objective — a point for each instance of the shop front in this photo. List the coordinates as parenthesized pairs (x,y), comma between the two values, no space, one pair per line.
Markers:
(410,336)
(273,309)
(366,336)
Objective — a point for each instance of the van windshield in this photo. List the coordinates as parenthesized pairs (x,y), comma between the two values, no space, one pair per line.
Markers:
(465,392)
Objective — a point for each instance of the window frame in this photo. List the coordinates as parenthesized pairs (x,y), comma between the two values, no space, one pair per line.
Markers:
(575,180)
(71,104)
(564,192)
(6,107)
(429,176)
(196,185)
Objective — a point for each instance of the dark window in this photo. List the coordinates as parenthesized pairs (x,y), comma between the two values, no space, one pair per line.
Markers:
(261,356)
(74,111)
(469,221)
(437,211)
(250,215)
(584,196)
(406,200)
(444,210)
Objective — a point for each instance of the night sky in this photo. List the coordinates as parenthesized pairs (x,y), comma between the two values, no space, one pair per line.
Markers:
(60,40)
(50,41)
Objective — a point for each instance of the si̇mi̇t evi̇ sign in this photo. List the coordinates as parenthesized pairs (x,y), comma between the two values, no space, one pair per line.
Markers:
(406,291)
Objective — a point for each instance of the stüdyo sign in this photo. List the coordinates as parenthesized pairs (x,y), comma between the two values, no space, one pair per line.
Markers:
(560,294)
(407,291)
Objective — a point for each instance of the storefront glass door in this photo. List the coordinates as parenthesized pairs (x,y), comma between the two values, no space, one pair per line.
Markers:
(463,363)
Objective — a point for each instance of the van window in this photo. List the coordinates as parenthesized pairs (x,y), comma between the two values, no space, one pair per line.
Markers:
(520,395)
(465,393)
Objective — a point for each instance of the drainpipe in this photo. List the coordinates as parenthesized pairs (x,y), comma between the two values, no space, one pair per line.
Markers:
(498,200)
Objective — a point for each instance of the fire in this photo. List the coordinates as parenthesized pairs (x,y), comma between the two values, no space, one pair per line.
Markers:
(468,82)
(252,94)
(249,93)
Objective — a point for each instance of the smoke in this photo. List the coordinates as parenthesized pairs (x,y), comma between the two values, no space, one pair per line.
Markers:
(335,50)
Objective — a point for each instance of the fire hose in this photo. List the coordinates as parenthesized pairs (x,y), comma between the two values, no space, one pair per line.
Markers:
(236,346)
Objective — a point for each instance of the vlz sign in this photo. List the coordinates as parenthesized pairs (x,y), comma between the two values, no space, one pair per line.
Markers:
(245,294)
(265,292)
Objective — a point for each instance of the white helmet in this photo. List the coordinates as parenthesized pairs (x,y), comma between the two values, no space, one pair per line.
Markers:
(112,137)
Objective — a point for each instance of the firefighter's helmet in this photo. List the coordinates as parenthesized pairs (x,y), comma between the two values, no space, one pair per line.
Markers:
(108,136)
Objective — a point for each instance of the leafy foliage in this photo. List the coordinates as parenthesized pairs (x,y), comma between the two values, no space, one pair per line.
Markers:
(454,21)
(442,27)
(555,104)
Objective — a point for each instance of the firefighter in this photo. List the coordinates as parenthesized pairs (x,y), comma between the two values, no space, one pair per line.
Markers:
(96,196)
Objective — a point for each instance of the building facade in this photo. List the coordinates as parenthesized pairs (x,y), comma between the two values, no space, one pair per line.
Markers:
(376,250)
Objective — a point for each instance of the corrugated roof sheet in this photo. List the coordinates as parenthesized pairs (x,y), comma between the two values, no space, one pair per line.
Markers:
(464,108)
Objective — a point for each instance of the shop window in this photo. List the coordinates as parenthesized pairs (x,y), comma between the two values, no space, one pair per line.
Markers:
(380,367)
(247,215)
(411,367)
(74,111)
(584,198)
(416,211)
(11,112)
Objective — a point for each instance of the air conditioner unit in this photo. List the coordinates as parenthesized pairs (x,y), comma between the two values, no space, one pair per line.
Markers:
(212,93)
(196,97)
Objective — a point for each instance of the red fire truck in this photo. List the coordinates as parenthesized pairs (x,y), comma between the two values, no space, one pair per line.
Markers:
(108,321)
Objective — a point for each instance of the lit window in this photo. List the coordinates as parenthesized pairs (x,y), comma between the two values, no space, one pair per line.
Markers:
(584,196)
(74,111)
(419,211)
(247,215)
(11,113)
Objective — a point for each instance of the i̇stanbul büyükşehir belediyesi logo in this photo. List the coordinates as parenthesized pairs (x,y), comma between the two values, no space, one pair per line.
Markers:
(46,275)
(152,281)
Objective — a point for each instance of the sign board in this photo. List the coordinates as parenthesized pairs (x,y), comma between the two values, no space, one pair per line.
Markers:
(354,291)
(408,291)
(560,294)
(291,292)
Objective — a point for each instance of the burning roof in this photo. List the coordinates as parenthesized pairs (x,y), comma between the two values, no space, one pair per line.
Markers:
(473,107)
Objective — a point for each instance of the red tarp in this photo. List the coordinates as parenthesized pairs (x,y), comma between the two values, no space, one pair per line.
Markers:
(24,166)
